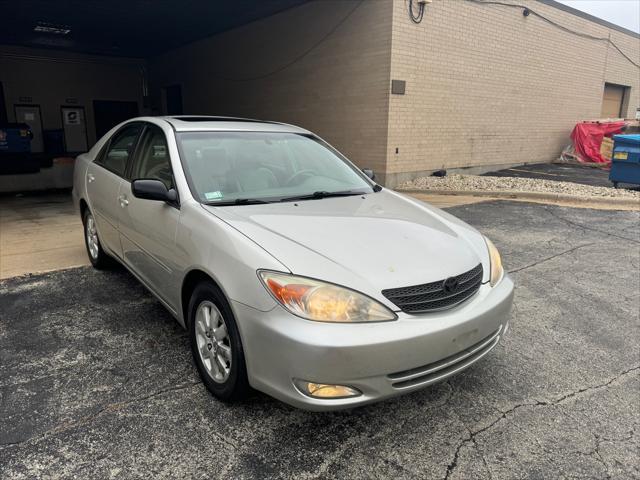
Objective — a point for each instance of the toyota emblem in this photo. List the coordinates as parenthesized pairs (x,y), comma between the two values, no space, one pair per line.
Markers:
(450,284)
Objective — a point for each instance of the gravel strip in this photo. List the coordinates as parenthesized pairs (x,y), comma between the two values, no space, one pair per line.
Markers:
(455,182)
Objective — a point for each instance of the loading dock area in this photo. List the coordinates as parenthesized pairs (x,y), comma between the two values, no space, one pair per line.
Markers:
(326,66)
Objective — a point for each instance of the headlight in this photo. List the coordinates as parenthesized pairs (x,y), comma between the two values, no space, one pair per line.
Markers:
(323,302)
(496,263)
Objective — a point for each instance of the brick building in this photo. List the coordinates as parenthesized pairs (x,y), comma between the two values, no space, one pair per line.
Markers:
(477,84)
(484,85)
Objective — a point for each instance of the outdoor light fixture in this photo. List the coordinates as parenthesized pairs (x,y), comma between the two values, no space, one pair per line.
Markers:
(526,12)
(43,27)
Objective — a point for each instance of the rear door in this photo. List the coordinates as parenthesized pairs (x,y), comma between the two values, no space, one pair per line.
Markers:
(103,179)
(148,227)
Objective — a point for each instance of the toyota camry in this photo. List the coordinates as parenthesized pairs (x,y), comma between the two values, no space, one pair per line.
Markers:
(292,270)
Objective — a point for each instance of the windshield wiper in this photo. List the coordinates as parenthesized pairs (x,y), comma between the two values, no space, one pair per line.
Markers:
(238,201)
(322,194)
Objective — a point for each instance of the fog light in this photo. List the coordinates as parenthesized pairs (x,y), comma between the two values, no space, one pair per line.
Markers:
(322,390)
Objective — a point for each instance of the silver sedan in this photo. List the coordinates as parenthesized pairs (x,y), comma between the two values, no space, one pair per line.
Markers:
(292,270)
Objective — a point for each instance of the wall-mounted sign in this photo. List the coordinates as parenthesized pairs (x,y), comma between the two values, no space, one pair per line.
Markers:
(398,87)
(72,101)
(25,99)
(71,117)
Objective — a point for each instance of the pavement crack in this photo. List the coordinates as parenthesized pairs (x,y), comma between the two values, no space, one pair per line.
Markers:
(596,453)
(585,227)
(551,257)
(109,408)
(484,460)
(454,462)
(472,434)
(594,387)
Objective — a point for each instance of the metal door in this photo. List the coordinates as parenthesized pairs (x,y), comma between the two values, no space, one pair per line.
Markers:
(30,114)
(75,129)
(612,100)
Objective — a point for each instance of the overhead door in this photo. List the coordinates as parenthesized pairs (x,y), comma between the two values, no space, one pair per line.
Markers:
(612,101)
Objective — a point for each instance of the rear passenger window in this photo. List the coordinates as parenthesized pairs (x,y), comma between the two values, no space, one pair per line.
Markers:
(120,148)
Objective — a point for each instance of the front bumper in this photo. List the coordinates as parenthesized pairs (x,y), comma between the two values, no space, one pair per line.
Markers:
(381,360)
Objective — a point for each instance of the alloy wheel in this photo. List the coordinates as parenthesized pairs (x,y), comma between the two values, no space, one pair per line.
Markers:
(92,237)
(214,345)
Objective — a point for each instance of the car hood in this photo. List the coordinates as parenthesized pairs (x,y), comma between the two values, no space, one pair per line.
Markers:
(368,243)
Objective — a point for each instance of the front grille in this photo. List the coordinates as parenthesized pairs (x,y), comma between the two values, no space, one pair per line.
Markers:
(434,296)
(446,367)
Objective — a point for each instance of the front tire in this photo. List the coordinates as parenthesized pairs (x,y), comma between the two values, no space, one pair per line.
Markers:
(97,256)
(216,345)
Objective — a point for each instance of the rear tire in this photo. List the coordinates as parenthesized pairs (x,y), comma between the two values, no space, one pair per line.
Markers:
(216,344)
(97,256)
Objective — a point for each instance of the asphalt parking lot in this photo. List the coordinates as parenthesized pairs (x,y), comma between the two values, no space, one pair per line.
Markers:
(562,172)
(96,379)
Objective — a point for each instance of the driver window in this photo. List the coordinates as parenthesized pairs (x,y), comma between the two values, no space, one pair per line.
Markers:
(153,160)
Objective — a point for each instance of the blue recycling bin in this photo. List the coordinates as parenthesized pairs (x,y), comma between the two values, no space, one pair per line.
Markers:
(625,161)
(15,138)
(15,149)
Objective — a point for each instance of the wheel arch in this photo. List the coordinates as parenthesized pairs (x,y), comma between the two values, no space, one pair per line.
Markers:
(189,283)
(84,206)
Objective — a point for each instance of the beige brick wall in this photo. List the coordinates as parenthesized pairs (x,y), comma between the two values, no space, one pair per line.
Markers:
(487,86)
(339,90)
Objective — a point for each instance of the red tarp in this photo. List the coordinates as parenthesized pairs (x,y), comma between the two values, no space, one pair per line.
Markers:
(587,138)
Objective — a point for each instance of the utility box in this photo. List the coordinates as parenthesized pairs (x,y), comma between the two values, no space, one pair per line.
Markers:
(625,161)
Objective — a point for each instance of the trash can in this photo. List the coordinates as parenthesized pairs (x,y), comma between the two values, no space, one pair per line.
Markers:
(625,161)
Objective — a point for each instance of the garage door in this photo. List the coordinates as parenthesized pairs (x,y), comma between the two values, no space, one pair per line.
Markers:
(612,101)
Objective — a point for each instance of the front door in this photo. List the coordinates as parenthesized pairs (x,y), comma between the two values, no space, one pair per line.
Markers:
(105,177)
(30,114)
(148,227)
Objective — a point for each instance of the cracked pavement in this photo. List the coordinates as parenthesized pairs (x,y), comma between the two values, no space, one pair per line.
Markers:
(96,379)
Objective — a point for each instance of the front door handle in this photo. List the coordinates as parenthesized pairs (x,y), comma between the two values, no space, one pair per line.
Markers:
(123,201)
(90,177)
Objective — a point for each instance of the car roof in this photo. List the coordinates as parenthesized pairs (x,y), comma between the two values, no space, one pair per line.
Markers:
(199,123)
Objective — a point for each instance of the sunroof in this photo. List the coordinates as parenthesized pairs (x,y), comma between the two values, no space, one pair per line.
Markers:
(195,118)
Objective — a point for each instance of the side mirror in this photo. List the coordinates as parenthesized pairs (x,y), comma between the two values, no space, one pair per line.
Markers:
(149,189)
(369,173)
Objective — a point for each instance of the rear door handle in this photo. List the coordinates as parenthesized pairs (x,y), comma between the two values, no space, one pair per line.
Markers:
(123,201)
(90,177)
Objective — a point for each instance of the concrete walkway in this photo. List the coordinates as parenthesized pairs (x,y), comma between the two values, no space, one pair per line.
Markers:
(39,233)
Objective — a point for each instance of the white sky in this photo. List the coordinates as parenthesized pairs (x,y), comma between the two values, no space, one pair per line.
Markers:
(625,13)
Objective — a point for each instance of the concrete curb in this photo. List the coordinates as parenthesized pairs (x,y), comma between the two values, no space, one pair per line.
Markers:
(535,196)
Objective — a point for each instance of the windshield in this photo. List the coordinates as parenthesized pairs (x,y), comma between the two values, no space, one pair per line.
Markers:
(229,167)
